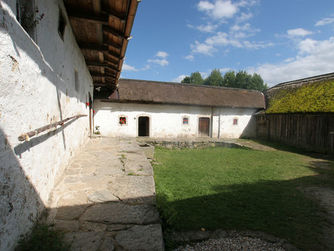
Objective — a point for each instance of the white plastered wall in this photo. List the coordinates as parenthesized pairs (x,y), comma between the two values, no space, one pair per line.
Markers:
(36,89)
(166,120)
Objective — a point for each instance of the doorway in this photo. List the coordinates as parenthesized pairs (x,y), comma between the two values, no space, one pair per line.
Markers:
(203,126)
(144,126)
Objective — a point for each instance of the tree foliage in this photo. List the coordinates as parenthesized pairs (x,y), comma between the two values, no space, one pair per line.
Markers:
(195,78)
(232,79)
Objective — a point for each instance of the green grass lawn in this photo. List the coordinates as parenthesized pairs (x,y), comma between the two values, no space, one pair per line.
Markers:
(239,189)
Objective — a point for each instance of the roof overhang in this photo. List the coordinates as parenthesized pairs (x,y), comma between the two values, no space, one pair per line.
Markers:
(102,29)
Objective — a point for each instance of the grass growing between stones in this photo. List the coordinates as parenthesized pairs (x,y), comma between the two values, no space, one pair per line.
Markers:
(43,238)
(241,189)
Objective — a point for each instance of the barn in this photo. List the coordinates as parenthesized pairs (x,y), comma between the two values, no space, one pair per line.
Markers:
(167,110)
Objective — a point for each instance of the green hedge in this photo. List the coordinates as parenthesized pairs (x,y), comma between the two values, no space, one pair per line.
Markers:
(315,97)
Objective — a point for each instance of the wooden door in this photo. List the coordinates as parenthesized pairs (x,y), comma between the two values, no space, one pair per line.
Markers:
(203,126)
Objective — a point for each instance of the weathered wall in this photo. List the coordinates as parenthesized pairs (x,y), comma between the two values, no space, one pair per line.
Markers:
(37,88)
(166,120)
(309,131)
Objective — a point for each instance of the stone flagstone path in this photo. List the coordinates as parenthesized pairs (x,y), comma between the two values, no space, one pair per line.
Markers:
(106,199)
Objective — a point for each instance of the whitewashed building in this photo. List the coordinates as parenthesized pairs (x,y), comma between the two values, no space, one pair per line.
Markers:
(52,54)
(160,109)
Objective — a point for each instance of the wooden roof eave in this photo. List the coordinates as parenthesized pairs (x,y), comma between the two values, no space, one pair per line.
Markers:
(128,27)
(111,47)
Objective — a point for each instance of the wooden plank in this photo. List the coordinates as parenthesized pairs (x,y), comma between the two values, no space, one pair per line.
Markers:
(93,46)
(109,30)
(89,17)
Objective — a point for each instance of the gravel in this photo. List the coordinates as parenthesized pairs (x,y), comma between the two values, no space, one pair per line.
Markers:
(233,243)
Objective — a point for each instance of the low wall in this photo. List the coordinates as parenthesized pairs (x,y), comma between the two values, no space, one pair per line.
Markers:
(309,131)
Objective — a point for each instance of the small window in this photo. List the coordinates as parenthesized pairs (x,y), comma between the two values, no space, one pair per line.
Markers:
(235,121)
(61,24)
(185,121)
(122,120)
(25,14)
(76,81)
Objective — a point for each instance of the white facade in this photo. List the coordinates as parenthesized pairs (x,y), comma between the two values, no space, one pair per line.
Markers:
(37,87)
(167,120)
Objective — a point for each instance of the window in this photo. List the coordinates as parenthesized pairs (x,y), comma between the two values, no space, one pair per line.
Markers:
(235,121)
(76,81)
(122,120)
(61,24)
(25,14)
(185,121)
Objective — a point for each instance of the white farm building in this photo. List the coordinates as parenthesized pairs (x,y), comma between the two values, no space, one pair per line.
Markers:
(166,110)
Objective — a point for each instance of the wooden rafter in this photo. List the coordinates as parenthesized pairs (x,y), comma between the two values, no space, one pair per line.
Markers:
(109,30)
(101,75)
(90,17)
(99,64)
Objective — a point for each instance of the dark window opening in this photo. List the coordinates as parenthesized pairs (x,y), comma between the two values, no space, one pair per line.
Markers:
(235,121)
(61,24)
(143,126)
(122,120)
(25,14)
(185,121)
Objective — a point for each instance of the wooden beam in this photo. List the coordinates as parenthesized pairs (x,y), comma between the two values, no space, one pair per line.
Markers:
(105,65)
(101,75)
(111,61)
(90,17)
(109,30)
(116,15)
(112,44)
(98,47)
(101,84)
(93,47)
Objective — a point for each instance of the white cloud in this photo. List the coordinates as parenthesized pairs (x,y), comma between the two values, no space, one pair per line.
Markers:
(222,39)
(325,21)
(127,67)
(179,78)
(202,48)
(207,28)
(226,69)
(162,62)
(314,58)
(161,54)
(256,45)
(244,17)
(299,32)
(218,9)
(159,58)
(190,57)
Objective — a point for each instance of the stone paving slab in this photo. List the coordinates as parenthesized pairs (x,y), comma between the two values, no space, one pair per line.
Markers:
(106,199)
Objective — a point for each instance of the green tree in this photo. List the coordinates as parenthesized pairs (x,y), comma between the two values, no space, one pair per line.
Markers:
(196,78)
(257,83)
(232,79)
(215,78)
(186,80)
(242,80)
(229,79)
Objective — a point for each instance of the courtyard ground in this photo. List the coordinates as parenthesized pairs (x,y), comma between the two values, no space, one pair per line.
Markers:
(106,199)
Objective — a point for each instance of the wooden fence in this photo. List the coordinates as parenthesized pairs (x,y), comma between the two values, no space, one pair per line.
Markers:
(309,131)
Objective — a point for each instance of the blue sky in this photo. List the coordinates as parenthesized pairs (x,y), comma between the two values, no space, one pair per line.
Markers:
(281,40)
